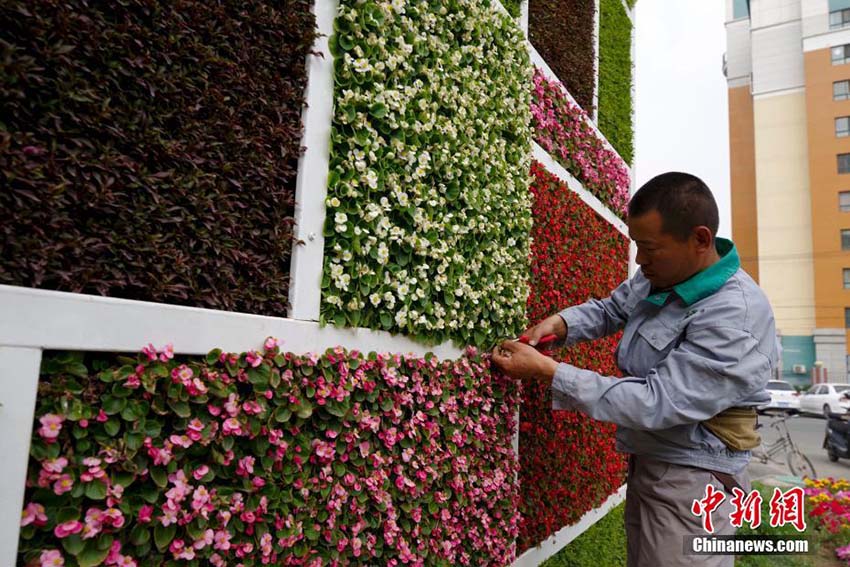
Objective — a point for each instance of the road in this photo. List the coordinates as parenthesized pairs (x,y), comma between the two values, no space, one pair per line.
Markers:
(807,432)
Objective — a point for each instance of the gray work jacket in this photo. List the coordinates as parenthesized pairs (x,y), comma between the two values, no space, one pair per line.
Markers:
(687,354)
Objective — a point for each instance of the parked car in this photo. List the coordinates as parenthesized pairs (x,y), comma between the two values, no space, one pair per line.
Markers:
(825,398)
(783,396)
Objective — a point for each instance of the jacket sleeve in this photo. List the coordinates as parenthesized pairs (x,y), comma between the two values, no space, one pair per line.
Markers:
(597,318)
(712,369)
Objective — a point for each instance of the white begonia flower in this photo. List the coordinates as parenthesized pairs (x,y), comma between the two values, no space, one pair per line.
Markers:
(362,66)
(375,298)
(372,179)
(340,218)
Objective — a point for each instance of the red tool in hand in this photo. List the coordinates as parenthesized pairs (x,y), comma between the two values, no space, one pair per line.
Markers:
(547,340)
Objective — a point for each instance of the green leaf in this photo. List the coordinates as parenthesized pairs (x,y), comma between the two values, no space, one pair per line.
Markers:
(182,409)
(305,411)
(212,356)
(345,41)
(282,415)
(112,427)
(152,428)
(134,441)
(96,490)
(162,536)
(159,477)
(112,405)
(92,556)
(378,110)
(73,544)
(140,535)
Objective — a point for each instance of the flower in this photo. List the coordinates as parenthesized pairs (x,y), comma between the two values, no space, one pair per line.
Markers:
(145,513)
(63,484)
(254,358)
(51,558)
(67,528)
(33,514)
(51,425)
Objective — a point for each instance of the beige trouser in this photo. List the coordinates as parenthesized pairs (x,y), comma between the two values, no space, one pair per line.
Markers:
(658,513)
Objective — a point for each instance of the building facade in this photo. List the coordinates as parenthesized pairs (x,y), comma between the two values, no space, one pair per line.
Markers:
(788,70)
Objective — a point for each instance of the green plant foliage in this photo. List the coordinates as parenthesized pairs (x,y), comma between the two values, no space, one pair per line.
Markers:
(428,208)
(615,77)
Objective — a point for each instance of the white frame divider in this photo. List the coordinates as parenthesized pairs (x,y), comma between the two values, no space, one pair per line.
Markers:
(541,64)
(552,545)
(308,249)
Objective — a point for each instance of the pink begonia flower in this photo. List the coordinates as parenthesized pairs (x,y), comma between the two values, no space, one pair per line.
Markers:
(324,451)
(271,343)
(216,560)
(245,466)
(126,561)
(222,540)
(145,514)
(200,472)
(68,528)
(167,353)
(231,426)
(101,417)
(182,374)
(51,425)
(51,558)
(252,408)
(150,351)
(181,441)
(34,514)
(55,465)
(231,406)
(258,482)
(114,554)
(91,461)
(254,358)
(205,540)
(114,517)
(84,423)
(63,484)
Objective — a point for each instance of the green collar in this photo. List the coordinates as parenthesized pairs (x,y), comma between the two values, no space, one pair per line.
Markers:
(704,283)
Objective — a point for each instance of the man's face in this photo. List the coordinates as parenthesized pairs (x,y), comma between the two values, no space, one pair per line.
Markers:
(664,259)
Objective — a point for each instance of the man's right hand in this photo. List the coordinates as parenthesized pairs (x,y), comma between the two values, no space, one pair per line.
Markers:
(553,325)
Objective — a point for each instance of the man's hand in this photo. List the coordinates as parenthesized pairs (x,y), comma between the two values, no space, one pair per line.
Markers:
(553,325)
(522,361)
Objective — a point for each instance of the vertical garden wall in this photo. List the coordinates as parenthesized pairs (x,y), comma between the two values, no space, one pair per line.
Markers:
(153,154)
(149,150)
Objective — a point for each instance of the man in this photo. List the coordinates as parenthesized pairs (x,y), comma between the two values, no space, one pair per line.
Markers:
(697,350)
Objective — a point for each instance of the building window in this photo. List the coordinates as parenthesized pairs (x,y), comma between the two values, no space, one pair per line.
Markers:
(840,54)
(842,127)
(841,90)
(845,239)
(846,278)
(843,163)
(844,201)
(846,318)
(839,19)
(741,9)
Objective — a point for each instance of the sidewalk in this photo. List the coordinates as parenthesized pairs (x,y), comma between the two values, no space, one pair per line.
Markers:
(772,475)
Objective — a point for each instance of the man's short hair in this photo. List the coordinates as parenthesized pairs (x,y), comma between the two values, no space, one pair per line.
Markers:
(683,201)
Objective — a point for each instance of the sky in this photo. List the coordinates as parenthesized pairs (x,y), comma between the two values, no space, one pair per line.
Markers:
(681,111)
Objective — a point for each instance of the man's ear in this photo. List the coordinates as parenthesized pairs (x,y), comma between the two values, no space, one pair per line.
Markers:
(703,238)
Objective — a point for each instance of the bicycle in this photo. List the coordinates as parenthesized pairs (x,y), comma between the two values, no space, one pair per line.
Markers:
(798,463)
